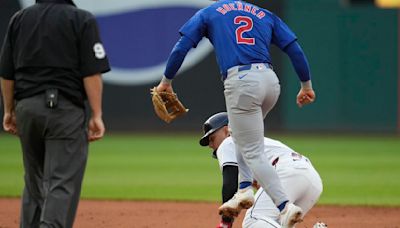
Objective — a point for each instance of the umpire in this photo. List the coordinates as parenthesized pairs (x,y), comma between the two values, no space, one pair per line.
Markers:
(50,63)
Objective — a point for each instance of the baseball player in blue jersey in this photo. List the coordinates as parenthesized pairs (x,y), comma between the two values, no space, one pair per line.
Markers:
(241,34)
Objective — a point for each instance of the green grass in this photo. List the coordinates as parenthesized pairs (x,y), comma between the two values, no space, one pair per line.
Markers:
(356,170)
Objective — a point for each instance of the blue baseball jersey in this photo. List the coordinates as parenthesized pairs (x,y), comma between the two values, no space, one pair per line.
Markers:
(240,32)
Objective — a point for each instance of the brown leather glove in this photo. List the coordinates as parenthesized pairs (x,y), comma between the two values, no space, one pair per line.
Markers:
(166,105)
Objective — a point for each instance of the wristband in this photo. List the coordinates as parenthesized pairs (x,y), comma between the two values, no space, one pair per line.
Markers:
(306,84)
(166,80)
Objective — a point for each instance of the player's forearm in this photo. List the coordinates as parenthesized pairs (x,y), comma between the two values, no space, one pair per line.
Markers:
(299,61)
(94,90)
(230,182)
(177,56)
(7,88)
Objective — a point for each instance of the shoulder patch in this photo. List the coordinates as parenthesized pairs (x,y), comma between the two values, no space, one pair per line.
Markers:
(99,51)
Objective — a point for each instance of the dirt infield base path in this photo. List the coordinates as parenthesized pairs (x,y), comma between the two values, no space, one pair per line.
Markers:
(132,214)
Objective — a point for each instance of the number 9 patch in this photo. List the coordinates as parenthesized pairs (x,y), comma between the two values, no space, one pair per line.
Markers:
(99,51)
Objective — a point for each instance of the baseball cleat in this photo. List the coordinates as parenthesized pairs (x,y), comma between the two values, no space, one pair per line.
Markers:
(291,215)
(320,225)
(243,199)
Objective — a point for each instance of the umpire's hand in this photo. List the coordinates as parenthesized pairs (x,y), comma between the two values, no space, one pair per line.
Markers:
(10,123)
(96,129)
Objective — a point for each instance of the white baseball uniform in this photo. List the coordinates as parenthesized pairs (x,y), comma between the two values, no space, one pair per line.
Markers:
(299,179)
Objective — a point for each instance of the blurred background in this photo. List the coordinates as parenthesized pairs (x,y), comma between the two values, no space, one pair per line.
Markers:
(352,47)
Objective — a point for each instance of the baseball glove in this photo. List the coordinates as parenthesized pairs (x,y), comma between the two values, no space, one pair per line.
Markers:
(166,105)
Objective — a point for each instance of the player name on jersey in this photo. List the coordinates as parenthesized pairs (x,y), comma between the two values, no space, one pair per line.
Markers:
(240,6)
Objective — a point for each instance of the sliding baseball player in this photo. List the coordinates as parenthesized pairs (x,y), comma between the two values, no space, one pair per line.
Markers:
(299,179)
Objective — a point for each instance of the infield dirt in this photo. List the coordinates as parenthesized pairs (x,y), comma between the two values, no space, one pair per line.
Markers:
(140,214)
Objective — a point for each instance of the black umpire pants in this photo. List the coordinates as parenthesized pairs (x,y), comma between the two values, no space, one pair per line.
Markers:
(55,148)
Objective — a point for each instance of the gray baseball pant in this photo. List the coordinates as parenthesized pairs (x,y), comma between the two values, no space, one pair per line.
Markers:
(55,148)
(250,94)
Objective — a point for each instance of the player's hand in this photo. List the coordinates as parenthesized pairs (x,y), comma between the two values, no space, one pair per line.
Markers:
(226,222)
(305,96)
(223,224)
(10,123)
(255,184)
(96,129)
(165,87)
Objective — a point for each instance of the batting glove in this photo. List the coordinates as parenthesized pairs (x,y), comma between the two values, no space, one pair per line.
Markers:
(223,224)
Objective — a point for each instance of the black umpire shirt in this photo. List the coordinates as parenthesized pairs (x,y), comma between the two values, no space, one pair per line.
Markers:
(52,44)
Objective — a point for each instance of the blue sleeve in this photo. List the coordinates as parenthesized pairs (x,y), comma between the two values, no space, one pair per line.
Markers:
(177,56)
(299,61)
(282,35)
(196,28)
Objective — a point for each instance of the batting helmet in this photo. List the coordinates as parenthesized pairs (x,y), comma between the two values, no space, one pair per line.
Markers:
(71,2)
(211,125)
(66,1)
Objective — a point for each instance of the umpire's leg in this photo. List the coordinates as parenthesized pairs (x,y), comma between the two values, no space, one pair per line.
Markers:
(30,130)
(64,169)
(65,161)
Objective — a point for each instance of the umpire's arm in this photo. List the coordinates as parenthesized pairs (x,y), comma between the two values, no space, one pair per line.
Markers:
(9,121)
(7,71)
(94,89)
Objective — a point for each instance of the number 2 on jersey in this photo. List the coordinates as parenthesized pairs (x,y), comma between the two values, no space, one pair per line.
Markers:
(247,25)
